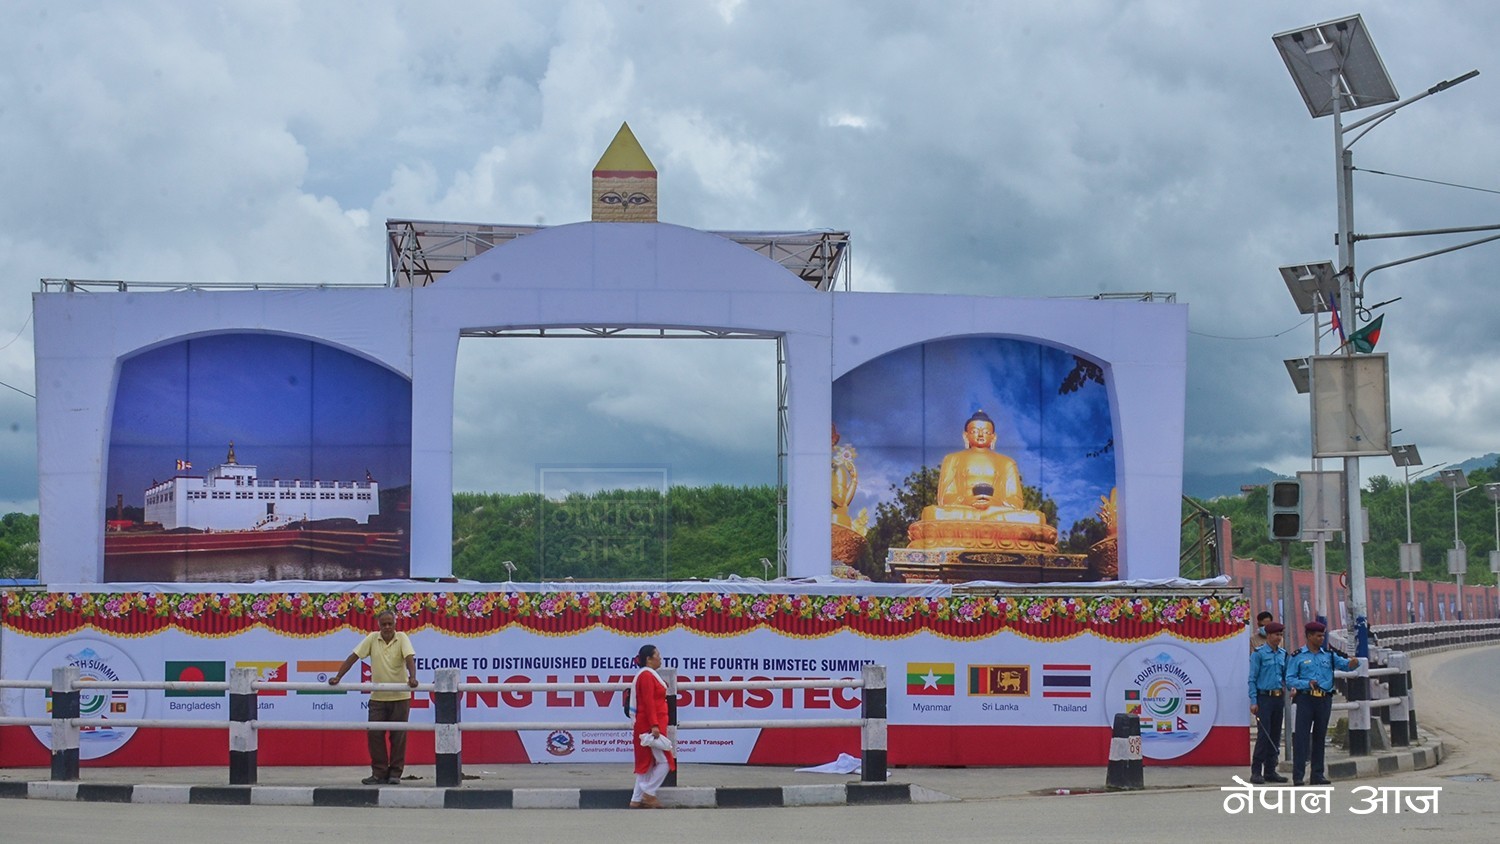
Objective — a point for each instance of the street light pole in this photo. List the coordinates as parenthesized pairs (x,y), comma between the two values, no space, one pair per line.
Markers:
(1329,62)
(1354,518)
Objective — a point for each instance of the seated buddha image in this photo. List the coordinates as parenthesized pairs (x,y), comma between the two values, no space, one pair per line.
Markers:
(980,500)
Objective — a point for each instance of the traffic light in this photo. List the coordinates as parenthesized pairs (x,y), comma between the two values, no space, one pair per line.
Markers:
(1284,510)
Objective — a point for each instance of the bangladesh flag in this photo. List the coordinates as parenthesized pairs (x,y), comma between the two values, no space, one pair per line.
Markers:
(1364,340)
(197,672)
(929,678)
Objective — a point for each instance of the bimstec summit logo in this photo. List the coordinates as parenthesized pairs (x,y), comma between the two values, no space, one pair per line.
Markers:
(1171,692)
(560,743)
(98,661)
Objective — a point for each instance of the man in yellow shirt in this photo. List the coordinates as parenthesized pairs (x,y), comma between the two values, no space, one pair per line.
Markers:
(392,660)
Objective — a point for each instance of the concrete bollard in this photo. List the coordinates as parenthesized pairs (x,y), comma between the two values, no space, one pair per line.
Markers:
(1358,692)
(872,733)
(1125,772)
(244,739)
(1400,736)
(447,740)
(65,710)
(669,675)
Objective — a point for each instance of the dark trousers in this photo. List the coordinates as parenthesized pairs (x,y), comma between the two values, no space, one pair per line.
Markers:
(1311,733)
(1269,712)
(382,764)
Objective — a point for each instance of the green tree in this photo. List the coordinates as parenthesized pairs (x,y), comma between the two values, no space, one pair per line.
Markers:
(19,544)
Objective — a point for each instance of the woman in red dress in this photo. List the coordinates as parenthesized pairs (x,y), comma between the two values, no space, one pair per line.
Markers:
(650,698)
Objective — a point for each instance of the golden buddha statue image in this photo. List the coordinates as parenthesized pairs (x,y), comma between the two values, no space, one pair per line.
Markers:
(849,543)
(979,483)
(980,501)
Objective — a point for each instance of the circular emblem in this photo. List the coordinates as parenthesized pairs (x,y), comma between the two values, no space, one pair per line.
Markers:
(95,659)
(560,743)
(1172,693)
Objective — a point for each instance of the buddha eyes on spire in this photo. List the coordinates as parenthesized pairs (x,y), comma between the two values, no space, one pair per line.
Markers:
(616,198)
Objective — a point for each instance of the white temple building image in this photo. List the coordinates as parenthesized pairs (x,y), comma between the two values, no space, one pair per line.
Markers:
(232,497)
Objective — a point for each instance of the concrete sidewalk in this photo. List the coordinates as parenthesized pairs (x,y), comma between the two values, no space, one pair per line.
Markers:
(605,786)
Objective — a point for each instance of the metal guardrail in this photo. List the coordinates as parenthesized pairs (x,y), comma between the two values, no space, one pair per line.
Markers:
(1415,638)
(243,687)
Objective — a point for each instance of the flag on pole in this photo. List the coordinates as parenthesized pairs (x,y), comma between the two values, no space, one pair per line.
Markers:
(184,464)
(1364,340)
(1338,323)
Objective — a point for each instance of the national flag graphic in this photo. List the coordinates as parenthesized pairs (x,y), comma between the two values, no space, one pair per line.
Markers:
(1132,694)
(929,678)
(116,707)
(194,671)
(1193,709)
(1132,709)
(269,672)
(1194,694)
(1164,726)
(1364,340)
(999,680)
(1181,724)
(1067,680)
(317,671)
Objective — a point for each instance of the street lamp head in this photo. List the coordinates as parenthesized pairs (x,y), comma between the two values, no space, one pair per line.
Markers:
(1493,491)
(1301,374)
(1338,53)
(1312,285)
(1454,479)
(1406,455)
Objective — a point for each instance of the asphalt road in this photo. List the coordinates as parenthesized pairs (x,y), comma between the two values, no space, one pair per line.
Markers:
(1456,693)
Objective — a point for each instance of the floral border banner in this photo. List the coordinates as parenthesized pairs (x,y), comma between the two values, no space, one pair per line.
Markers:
(1119,618)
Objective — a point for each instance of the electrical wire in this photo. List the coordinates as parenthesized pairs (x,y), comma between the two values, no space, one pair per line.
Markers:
(18,333)
(1428,181)
(1260,337)
(17,389)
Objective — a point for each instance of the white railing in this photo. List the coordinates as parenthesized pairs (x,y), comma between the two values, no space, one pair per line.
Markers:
(243,687)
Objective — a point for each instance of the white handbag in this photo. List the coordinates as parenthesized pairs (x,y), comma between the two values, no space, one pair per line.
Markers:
(658,742)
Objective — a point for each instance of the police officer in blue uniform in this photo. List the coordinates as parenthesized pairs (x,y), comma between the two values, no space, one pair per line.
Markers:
(1309,675)
(1267,702)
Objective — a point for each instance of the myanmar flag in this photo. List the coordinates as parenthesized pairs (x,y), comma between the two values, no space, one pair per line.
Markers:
(194,671)
(929,678)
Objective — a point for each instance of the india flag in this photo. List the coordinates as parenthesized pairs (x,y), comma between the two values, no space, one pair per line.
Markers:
(317,671)
(929,678)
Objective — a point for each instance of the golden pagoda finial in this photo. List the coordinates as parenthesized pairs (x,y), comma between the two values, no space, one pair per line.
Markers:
(230,459)
(624,188)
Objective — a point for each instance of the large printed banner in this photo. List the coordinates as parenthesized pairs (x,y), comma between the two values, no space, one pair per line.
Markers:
(974,679)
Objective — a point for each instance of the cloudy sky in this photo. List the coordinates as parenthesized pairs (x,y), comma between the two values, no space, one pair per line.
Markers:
(1001,148)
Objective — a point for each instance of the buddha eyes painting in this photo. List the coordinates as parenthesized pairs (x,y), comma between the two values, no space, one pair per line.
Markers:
(975,459)
(617,198)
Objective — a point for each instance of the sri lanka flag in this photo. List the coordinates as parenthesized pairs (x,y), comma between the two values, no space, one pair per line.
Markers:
(929,678)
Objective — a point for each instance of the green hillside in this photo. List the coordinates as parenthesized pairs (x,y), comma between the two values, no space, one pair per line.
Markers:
(1431,525)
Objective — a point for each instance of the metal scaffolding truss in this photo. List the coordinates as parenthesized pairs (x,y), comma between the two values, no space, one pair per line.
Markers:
(421,251)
